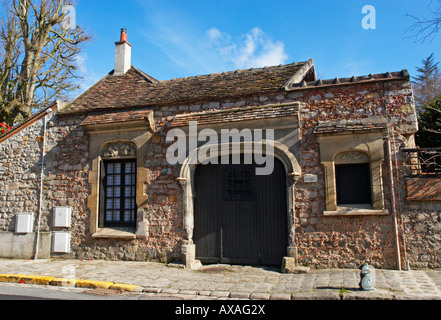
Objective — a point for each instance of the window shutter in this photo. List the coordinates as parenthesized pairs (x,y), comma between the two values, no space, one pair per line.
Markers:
(102,195)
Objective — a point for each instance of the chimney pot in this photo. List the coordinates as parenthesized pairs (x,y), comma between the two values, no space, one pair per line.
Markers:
(123,35)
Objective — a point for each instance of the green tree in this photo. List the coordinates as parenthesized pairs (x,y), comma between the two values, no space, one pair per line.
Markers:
(427,83)
(38,55)
(429,135)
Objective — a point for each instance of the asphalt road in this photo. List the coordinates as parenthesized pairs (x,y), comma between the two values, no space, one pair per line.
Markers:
(13,291)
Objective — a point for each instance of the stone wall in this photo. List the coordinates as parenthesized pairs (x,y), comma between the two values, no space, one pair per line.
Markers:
(327,241)
(322,241)
(66,175)
(347,241)
(421,218)
(422,236)
(20,169)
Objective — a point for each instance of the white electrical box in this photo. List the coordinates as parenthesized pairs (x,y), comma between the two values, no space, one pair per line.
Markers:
(61,242)
(24,222)
(62,217)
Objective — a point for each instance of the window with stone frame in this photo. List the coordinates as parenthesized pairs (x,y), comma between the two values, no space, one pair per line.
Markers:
(117,198)
(118,135)
(352,162)
(118,203)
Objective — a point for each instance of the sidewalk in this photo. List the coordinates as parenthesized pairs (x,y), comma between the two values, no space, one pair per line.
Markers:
(224,281)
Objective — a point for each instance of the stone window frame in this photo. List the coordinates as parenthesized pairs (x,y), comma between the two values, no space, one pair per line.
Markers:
(101,137)
(129,158)
(353,147)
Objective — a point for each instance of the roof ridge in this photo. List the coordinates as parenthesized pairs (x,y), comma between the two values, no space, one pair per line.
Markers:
(224,73)
(145,75)
(403,74)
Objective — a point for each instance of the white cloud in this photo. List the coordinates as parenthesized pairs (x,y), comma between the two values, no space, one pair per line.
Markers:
(253,49)
(200,51)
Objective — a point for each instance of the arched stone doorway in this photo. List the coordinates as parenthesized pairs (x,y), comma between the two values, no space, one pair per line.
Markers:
(186,179)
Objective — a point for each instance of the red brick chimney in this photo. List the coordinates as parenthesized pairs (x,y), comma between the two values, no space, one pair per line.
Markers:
(123,52)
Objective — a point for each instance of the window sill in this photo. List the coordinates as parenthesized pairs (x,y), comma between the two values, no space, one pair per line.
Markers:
(115,233)
(356,210)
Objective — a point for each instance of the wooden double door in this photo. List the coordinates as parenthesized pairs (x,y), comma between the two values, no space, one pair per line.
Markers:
(240,217)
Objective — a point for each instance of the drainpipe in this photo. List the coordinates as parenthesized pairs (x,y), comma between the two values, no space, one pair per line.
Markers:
(398,207)
(41,183)
(393,200)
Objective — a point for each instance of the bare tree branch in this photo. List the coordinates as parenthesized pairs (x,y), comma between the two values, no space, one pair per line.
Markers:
(426,28)
(37,62)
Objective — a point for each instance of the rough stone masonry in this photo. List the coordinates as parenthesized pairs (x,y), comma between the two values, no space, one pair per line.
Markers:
(136,109)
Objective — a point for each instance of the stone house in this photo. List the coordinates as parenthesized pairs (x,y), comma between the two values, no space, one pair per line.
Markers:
(140,169)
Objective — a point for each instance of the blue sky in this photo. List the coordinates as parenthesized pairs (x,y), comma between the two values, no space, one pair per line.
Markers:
(175,38)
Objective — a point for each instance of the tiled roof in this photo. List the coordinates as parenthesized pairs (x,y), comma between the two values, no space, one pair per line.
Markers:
(116,117)
(138,89)
(237,114)
(402,75)
(113,92)
(367,124)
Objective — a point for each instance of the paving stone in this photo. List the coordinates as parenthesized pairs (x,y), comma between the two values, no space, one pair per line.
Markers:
(169,291)
(368,295)
(259,296)
(240,295)
(280,296)
(189,292)
(152,290)
(220,294)
(318,295)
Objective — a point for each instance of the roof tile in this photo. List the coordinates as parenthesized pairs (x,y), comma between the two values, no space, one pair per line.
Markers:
(137,89)
(116,117)
(237,114)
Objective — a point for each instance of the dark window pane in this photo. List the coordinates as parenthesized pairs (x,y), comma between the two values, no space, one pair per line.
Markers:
(353,184)
(119,205)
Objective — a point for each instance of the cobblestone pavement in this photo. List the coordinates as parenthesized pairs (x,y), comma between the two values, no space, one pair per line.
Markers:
(238,282)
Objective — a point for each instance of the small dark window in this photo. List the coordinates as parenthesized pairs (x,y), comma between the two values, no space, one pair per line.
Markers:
(353,184)
(118,208)
(238,184)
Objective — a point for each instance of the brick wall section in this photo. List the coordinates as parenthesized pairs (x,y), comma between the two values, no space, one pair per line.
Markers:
(423,189)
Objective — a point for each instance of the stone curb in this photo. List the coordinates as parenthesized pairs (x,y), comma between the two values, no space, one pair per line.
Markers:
(64,282)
